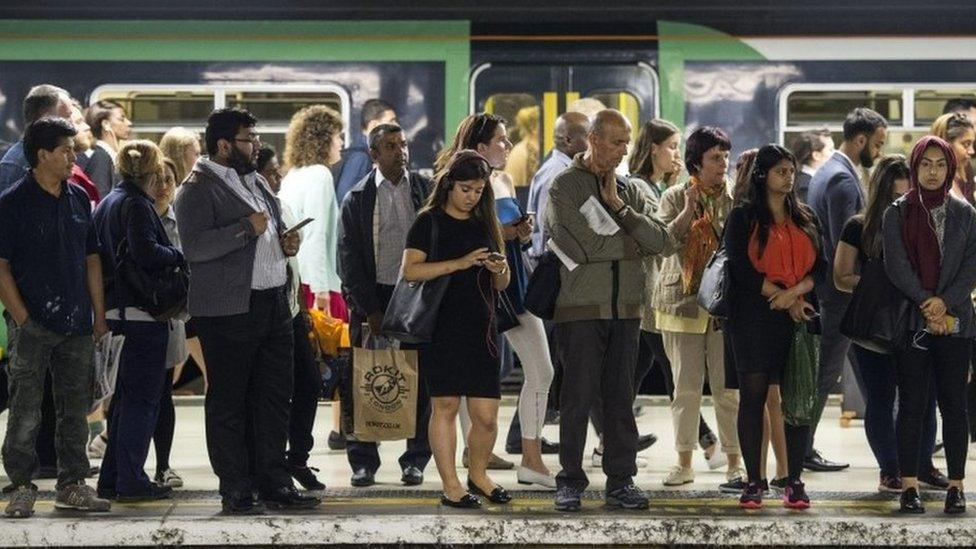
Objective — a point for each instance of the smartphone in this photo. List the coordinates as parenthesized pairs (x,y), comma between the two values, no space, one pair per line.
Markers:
(299,225)
(495,256)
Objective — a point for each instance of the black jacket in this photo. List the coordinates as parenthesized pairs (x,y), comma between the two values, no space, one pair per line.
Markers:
(357,263)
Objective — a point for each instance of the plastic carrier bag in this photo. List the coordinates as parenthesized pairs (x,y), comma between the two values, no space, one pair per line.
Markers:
(799,383)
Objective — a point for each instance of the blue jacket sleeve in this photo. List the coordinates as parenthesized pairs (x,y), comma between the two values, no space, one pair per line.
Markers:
(142,231)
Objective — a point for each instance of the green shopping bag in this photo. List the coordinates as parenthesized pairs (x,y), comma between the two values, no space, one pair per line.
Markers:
(799,383)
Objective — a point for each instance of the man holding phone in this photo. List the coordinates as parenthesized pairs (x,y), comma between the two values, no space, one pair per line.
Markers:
(376,217)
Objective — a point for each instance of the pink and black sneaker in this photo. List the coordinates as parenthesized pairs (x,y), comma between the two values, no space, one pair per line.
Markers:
(751,497)
(795,496)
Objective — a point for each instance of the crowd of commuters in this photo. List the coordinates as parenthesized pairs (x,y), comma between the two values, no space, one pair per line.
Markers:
(84,205)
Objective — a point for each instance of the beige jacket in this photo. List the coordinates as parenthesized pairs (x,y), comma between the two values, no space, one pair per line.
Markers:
(668,296)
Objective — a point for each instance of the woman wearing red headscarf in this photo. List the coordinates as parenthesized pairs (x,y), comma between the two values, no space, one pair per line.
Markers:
(930,255)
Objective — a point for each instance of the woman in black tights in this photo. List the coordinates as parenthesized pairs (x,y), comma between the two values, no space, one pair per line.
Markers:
(774,250)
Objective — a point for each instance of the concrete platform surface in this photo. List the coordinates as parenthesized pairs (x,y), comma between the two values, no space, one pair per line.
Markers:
(847,509)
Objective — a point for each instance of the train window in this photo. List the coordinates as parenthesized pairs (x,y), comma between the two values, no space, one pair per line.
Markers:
(522,112)
(930,104)
(154,108)
(831,106)
(625,102)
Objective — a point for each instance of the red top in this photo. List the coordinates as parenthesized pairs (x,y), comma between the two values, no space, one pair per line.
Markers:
(78,177)
(789,255)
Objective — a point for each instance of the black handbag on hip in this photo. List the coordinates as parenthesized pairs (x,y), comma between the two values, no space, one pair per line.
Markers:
(412,313)
(505,316)
(714,290)
(878,315)
(543,288)
(162,292)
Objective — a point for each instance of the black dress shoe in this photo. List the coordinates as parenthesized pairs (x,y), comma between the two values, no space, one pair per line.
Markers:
(498,495)
(241,503)
(547,447)
(910,502)
(816,462)
(153,493)
(362,478)
(467,501)
(934,479)
(305,476)
(287,497)
(645,441)
(336,441)
(412,476)
(955,502)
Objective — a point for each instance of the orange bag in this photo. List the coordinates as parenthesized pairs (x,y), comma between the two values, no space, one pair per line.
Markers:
(328,333)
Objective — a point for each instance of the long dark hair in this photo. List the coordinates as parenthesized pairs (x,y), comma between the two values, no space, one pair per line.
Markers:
(758,193)
(881,193)
(468,165)
(474,130)
(653,132)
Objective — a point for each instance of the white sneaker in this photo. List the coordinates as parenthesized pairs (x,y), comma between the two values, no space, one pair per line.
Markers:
(717,460)
(96,448)
(524,475)
(170,478)
(597,460)
(679,475)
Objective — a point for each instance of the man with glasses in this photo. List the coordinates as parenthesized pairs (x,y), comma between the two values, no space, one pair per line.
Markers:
(236,244)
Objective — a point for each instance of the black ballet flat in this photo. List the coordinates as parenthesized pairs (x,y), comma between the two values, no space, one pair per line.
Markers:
(910,502)
(467,501)
(955,502)
(499,495)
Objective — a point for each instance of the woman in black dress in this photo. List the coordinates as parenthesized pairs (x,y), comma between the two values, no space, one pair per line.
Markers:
(462,359)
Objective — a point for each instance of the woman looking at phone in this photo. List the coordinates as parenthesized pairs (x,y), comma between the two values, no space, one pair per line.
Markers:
(930,255)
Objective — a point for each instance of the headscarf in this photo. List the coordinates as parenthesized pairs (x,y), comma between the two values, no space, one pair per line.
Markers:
(702,239)
(917,229)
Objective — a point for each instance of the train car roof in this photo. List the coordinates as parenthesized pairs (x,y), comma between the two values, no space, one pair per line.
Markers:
(549,17)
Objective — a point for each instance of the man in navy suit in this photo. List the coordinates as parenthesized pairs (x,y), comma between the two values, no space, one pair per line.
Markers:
(836,194)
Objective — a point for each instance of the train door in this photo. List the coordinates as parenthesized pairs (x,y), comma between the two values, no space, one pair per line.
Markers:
(531,97)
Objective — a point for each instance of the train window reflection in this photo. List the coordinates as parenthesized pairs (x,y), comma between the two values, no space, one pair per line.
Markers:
(277,108)
(805,108)
(522,112)
(930,104)
(154,111)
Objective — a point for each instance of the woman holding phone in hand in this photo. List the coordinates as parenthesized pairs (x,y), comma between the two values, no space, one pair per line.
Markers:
(462,359)
(930,255)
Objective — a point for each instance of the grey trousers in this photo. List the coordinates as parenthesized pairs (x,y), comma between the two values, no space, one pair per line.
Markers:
(35,350)
(598,358)
(834,348)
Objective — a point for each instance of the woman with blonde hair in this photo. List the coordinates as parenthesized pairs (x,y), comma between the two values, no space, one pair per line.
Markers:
(182,147)
(127,216)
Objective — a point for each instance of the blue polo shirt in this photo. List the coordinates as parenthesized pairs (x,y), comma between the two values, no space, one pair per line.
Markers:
(47,239)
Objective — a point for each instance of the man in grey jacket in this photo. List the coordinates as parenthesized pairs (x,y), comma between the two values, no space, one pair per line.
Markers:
(236,244)
(601,224)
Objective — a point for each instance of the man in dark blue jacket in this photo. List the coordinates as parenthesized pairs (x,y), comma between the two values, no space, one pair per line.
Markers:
(376,216)
(836,194)
(356,159)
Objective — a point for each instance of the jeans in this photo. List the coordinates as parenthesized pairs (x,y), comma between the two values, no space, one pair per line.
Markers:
(69,359)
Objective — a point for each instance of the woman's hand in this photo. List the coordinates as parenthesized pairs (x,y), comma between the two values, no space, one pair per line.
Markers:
(475,257)
(801,311)
(524,229)
(782,300)
(933,308)
(692,194)
(322,300)
(510,232)
(495,266)
(937,327)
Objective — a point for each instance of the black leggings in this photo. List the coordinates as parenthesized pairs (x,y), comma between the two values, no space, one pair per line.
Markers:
(753,389)
(165,425)
(944,364)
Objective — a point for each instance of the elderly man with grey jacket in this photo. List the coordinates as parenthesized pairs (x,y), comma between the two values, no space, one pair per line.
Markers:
(600,224)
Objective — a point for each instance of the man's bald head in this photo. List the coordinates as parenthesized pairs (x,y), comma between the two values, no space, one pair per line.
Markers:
(608,139)
(570,133)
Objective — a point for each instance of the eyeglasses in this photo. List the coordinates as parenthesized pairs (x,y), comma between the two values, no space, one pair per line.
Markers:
(253,139)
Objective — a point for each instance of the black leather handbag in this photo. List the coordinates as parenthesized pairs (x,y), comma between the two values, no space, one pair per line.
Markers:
(162,292)
(505,316)
(543,288)
(878,317)
(713,292)
(412,313)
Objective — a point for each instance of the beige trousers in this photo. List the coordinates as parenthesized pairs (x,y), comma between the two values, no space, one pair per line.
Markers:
(691,355)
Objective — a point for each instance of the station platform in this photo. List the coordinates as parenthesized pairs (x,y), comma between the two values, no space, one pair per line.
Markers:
(847,509)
